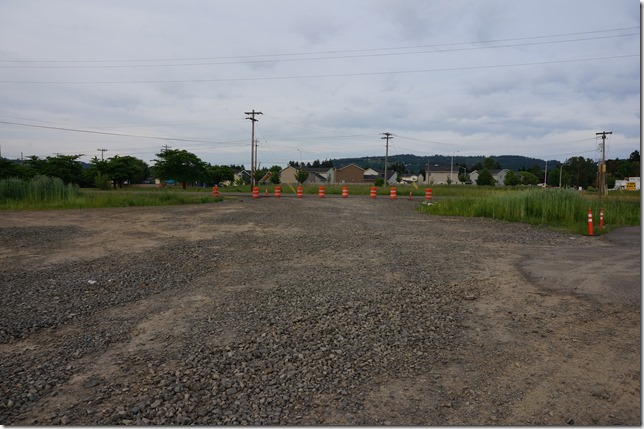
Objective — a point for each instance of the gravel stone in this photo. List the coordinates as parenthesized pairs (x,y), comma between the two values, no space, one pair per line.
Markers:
(301,310)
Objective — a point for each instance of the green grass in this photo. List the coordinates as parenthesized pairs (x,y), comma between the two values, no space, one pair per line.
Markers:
(46,193)
(556,208)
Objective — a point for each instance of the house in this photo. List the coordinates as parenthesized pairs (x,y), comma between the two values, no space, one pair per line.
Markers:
(266,178)
(439,175)
(348,174)
(497,174)
(242,175)
(371,174)
(316,175)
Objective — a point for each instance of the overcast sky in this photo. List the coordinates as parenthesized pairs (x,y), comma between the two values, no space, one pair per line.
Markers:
(452,77)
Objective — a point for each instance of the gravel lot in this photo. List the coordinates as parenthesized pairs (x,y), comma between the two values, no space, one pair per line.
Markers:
(314,311)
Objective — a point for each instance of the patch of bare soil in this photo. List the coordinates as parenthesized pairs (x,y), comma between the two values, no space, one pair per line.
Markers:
(314,312)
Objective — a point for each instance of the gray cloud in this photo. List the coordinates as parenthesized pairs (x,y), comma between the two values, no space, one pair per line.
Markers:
(526,110)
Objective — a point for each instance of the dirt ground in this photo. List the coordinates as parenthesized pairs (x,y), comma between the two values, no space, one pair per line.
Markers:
(551,335)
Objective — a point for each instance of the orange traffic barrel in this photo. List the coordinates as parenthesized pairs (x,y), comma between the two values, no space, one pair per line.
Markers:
(300,192)
(215,191)
(321,192)
(255,192)
(392,193)
(278,191)
(345,192)
(428,195)
(372,193)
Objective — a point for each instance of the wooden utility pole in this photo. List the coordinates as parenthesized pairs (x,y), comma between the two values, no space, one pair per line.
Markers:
(252,114)
(602,167)
(387,136)
(102,151)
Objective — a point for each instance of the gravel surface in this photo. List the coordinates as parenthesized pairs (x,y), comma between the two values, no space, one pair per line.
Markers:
(272,312)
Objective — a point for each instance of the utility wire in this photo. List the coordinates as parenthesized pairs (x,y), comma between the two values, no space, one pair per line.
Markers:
(315,58)
(77,130)
(325,52)
(240,79)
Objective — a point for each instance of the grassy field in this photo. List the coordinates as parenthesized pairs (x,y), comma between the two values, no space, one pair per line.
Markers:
(565,209)
(46,193)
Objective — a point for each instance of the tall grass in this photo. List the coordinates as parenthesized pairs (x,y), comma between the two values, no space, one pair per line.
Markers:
(559,208)
(46,193)
(40,189)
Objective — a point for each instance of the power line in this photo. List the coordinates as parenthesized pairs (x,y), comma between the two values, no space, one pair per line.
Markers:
(240,79)
(78,130)
(471,48)
(327,52)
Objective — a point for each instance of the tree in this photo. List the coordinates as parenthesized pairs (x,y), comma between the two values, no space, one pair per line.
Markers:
(553,177)
(583,172)
(11,169)
(398,167)
(512,179)
(528,178)
(275,174)
(179,165)
(122,169)
(65,167)
(490,163)
(635,156)
(301,176)
(485,178)
(220,173)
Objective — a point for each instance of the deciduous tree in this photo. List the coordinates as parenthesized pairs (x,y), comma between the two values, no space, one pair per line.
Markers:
(485,178)
(179,165)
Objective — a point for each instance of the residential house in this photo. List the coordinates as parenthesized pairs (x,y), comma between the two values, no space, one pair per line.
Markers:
(371,174)
(348,174)
(498,174)
(243,175)
(316,175)
(439,175)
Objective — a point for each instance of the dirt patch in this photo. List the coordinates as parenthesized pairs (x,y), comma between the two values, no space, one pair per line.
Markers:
(314,312)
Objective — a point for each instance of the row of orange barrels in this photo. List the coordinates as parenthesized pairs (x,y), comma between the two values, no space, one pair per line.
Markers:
(321,192)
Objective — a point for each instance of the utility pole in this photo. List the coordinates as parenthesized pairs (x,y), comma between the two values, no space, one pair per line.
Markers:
(545,177)
(387,136)
(102,151)
(163,148)
(252,114)
(602,166)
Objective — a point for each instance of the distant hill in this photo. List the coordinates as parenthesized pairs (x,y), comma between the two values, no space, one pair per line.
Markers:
(415,163)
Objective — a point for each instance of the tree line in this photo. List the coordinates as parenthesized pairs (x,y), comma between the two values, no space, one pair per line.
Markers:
(178,165)
(186,168)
